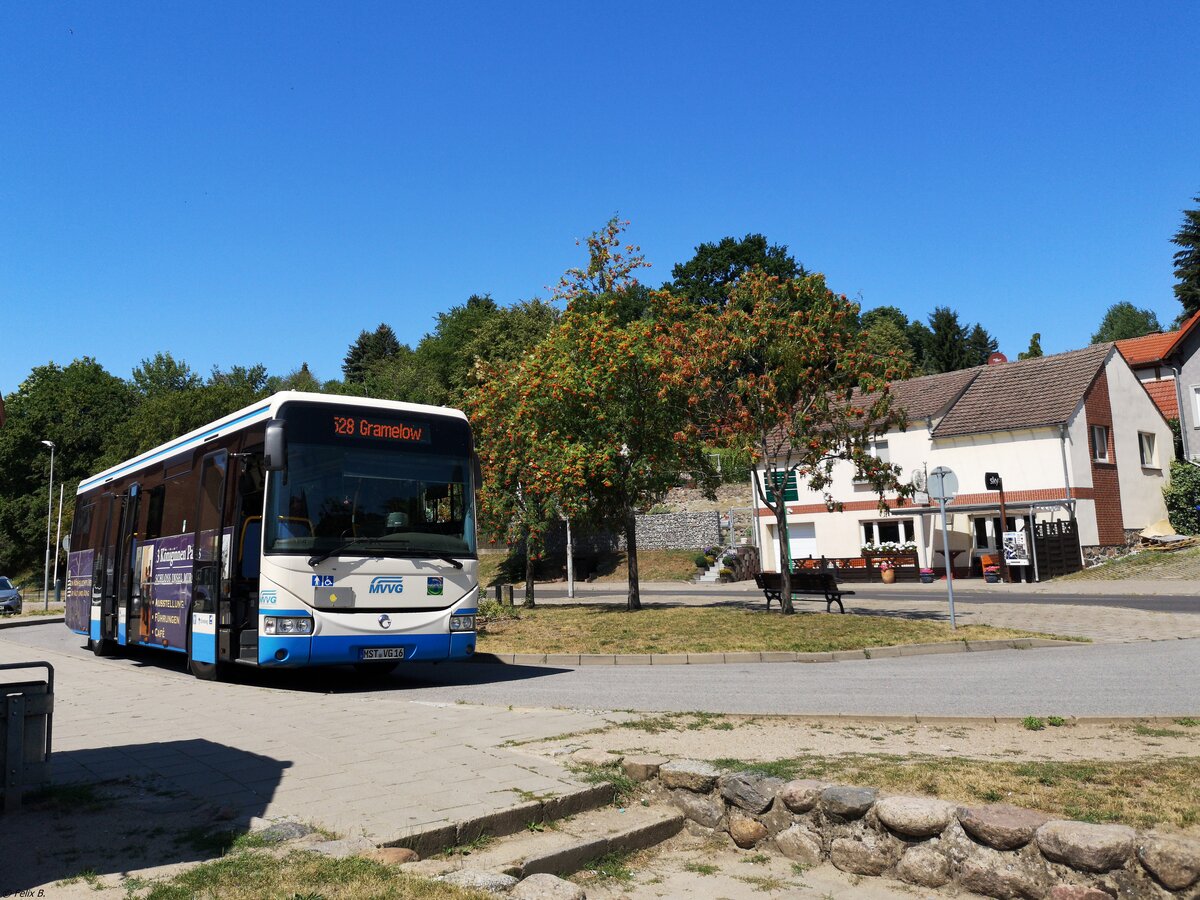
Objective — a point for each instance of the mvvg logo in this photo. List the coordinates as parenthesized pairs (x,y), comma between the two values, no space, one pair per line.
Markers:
(387,584)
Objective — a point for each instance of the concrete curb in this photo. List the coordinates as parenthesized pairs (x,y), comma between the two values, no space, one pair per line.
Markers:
(436,838)
(695,659)
(566,860)
(39,620)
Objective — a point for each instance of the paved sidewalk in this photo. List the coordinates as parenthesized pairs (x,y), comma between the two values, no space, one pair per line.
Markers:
(374,763)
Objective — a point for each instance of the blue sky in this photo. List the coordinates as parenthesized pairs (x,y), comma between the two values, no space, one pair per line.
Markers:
(258,182)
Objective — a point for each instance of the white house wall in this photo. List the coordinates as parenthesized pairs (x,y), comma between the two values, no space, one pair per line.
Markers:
(1142,501)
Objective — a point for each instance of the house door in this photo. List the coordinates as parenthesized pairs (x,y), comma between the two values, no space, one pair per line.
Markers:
(802,540)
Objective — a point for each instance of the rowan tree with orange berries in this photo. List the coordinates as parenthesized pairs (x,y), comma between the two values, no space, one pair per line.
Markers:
(806,391)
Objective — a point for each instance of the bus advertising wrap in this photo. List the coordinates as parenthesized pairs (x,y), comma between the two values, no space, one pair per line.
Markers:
(79,589)
(166,574)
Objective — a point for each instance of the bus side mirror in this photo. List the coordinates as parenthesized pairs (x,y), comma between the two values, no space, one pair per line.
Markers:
(66,543)
(275,447)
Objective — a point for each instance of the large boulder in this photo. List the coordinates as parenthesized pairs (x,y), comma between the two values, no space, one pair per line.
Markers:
(589,757)
(799,844)
(700,808)
(394,856)
(1077,892)
(871,854)
(750,791)
(1081,845)
(1173,860)
(918,817)
(845,804)
(1001,825)
(1005,876)
(644,766)
(922,865)
(480,880)
(689,775)
(547,887)
(802,795)
(745,831)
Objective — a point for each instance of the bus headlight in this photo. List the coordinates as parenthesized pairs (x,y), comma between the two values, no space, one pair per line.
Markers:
(462,623)
(287,625)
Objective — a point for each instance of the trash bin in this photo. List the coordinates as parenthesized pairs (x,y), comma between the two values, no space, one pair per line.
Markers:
(26,714)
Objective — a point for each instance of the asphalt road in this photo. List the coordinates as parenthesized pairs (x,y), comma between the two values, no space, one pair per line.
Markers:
(1176,603)
(1159,678)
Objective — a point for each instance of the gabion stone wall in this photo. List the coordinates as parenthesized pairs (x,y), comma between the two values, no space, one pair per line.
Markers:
(666,531)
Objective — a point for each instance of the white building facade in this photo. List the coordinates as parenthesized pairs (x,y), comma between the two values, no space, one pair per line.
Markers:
(1072,436)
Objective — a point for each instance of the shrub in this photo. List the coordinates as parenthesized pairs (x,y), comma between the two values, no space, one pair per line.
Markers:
(729,559)
(726,572)
(1033,723)
(1181,496)
(701,561)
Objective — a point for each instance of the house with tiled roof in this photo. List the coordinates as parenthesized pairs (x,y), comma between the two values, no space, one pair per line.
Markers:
(1074,437)
(1168,366)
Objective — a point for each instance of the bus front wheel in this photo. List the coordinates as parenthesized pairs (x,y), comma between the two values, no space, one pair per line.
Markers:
(202,670)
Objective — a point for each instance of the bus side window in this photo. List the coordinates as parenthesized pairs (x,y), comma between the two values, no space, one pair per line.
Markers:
(250,551)
(154,512)
(81,533)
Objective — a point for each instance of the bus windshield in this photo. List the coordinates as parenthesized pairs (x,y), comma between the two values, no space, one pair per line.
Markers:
(371,485)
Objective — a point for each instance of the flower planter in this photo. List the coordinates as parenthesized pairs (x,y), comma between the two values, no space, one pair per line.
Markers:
(926,578)
(991,579)
(887,576)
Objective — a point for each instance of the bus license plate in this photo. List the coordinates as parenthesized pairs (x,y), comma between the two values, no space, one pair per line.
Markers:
(382,653)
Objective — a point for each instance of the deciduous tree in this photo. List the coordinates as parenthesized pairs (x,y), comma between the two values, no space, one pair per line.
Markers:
(1124,320)
(706,278)
(810,392)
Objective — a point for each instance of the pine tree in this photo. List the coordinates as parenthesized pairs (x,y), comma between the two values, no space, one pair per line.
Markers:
(980,346)
(947,348)
(370,348)
(1187,260)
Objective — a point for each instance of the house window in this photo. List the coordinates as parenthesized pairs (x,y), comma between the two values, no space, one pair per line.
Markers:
(788,479)
(1100,443)
(1146,450)
(1196,405)
(887,531)
(879,450)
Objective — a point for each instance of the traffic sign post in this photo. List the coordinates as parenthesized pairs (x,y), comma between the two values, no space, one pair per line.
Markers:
(993,482)
(943,485)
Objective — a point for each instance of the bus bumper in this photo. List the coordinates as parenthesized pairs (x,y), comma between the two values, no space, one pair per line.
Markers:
(346,649)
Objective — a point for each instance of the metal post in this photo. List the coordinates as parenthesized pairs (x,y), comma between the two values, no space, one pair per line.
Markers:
(49,519)
(58,538)
(946,554)
(1005,571)
(570,562)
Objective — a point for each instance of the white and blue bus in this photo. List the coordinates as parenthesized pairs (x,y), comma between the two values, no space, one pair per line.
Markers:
(303,530)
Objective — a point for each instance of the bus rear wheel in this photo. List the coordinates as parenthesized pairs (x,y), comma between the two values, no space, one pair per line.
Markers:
(103,647)
(202,670)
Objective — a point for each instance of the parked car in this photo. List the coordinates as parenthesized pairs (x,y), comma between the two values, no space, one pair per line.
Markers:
(10,597)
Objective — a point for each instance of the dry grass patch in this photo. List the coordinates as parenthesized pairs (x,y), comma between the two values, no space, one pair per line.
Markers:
(609,629)
(1178,564)
(1141,793)
(250,875)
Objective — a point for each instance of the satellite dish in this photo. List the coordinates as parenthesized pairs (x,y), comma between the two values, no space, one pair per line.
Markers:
(917,479)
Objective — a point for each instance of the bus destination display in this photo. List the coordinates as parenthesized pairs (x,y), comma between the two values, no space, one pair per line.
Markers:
(404,432)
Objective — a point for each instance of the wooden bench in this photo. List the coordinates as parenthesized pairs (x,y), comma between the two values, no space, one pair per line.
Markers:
(823,583)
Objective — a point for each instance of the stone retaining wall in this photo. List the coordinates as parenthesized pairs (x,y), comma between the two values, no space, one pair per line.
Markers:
(996,850)
(665,531)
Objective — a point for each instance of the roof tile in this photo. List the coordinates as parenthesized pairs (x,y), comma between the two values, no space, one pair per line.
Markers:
(1025,394)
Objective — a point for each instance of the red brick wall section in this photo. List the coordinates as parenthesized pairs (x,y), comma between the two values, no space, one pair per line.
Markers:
(1105,484)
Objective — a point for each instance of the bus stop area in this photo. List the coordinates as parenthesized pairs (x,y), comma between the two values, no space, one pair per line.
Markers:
(310,746)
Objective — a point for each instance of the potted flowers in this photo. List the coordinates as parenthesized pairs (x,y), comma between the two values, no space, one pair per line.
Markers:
(991,574)
(927,576)
(887,572)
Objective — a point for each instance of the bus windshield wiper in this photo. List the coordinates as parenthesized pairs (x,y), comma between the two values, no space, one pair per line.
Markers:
(338,548)
(413,551)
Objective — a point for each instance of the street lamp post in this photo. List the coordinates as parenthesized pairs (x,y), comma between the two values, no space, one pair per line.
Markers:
(49,522)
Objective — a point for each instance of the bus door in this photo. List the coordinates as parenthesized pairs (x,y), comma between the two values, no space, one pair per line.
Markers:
(210,573)
(247,555)
(104,588)
(126,565)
